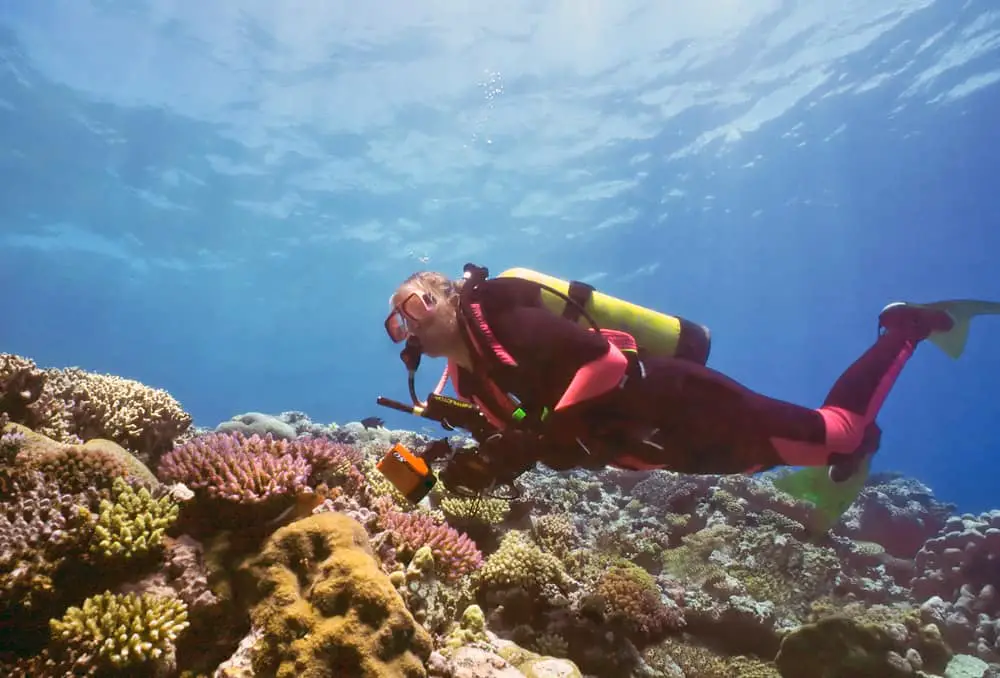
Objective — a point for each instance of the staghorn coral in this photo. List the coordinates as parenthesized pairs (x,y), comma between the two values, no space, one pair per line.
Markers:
(133,524)
(129,634)
(326,609)
(455,555)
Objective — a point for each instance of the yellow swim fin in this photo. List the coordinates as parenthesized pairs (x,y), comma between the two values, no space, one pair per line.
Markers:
(962,311)
(830,499)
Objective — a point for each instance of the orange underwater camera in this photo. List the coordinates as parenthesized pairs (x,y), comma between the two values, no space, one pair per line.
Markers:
(407,472)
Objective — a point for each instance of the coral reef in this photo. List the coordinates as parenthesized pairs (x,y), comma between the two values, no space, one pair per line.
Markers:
(271,546)
(72,405)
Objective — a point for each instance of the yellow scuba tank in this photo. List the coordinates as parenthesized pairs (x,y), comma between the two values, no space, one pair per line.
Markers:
(656,333)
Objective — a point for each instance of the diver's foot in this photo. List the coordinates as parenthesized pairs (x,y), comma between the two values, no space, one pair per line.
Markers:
(917,321)
(844,466)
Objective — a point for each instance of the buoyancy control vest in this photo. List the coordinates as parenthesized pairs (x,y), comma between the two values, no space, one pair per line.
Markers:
(650,332)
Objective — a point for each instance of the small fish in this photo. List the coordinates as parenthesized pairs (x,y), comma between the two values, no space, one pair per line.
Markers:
(372,422)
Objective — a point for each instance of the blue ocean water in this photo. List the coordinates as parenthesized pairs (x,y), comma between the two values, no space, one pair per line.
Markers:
(219,198)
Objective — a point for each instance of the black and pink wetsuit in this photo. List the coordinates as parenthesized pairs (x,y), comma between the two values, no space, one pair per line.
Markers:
(661,412)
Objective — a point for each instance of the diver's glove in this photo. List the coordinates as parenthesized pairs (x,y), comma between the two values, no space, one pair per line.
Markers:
(499,460)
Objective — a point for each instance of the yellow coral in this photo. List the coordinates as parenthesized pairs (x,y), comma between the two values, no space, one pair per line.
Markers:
(485,510)
(690,560)
(327,610)
(133,524)
(520,563)
(555,533)
(116,631)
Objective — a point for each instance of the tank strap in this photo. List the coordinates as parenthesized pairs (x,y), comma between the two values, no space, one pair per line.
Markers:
(580,292)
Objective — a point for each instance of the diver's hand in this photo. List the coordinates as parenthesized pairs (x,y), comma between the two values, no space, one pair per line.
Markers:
(499,460)
(511,452)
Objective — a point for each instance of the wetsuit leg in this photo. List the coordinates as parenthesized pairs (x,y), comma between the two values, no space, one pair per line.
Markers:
(705,422)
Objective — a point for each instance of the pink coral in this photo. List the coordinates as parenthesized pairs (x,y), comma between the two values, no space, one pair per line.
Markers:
(454,553)
(232,467)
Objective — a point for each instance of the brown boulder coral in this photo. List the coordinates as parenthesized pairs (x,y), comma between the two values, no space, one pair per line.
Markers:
(326,610)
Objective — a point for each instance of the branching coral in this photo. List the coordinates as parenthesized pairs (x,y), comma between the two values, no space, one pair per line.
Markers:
(478,510)
(555,533)
(454,553)
(132,526)
(633,602)
(519,563)
(40,528)
(115,632)
(140,418)
(234,468)
(23,397)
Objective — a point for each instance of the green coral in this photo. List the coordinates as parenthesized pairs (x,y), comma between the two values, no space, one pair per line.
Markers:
(839,647)
(518,562)
(691,560)
(129,632)
(133,525)
(697,660)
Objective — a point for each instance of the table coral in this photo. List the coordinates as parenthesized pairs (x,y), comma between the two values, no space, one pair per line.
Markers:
(72,405)
(327,610)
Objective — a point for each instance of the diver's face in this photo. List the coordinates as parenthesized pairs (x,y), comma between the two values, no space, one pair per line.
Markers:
(416,313)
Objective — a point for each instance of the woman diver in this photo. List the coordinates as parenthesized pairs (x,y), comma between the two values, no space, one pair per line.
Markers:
(568,396)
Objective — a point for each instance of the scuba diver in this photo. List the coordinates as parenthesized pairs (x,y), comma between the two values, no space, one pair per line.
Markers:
(574,378)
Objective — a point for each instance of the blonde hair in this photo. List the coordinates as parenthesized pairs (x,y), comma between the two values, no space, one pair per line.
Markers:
(438,285)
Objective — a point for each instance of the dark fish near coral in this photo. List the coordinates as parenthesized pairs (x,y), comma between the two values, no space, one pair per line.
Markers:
(372,422)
